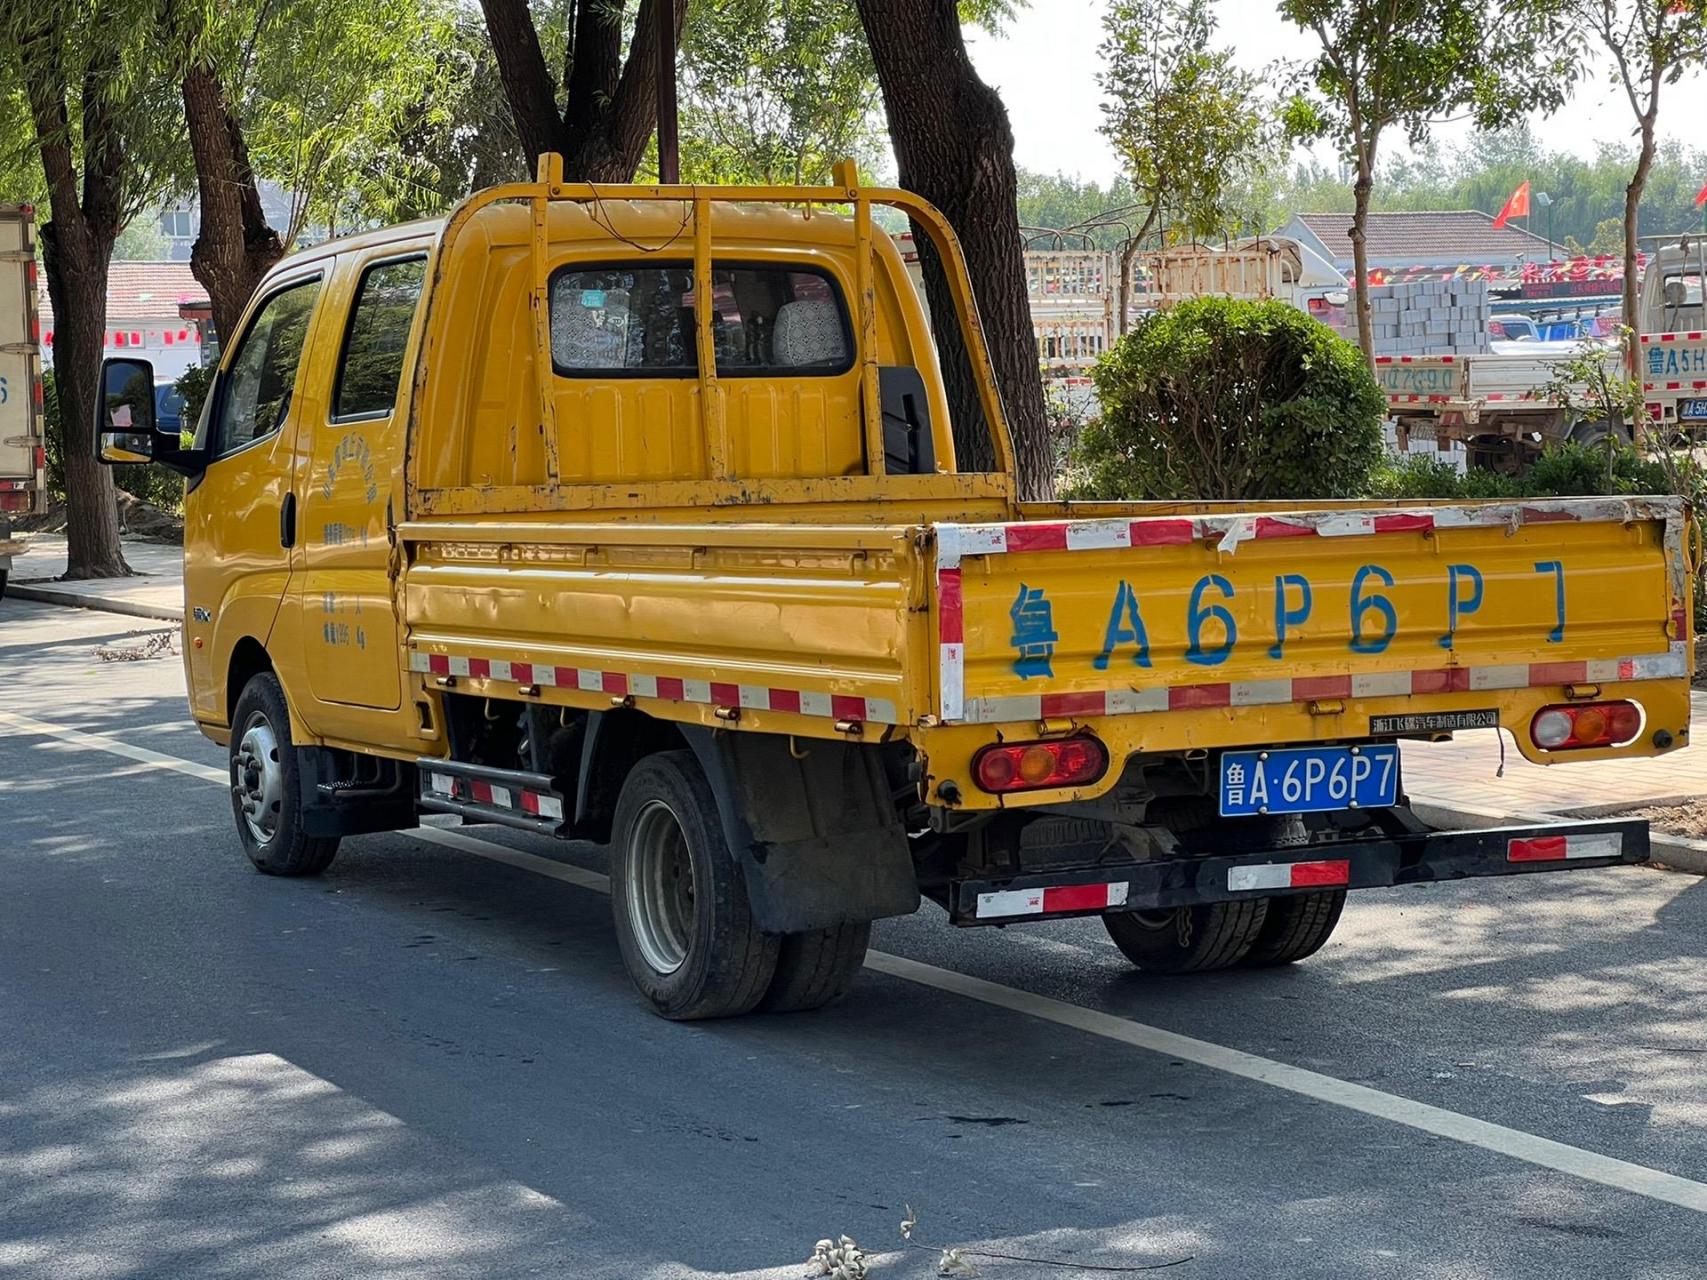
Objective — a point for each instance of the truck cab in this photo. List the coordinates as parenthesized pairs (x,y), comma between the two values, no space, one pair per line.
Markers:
(633,514)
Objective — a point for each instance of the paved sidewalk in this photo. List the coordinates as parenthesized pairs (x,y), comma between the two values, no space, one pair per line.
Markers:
(1454,784)
(157,593)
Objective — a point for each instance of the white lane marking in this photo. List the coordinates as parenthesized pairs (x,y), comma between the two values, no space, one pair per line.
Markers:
(64,736)
(1591,1166)
(1621,1175)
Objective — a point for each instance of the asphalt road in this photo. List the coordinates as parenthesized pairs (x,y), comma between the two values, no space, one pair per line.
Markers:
(429,1063)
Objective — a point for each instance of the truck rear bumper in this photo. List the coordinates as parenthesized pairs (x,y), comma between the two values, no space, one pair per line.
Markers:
(1418,857)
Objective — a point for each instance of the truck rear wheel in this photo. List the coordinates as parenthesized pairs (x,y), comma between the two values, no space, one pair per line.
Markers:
(1295,927)
(683,922)
(1216,935)
(813,969)
(264,789)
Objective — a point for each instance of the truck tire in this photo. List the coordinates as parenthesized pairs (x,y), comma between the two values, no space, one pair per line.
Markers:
(1591,434)
(683,922)
(813,969)
(1296,927)
(265,794)
(3,576)
(1216,935)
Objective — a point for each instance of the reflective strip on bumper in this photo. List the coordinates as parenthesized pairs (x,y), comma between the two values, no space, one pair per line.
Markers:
(1289,875)
(1052,900)
(1557,848)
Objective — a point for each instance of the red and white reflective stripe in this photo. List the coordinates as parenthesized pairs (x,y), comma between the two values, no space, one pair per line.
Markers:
(1693,336)
(1606,844)
(1289,875)
(479,791)
(623,684)
(1697,385)
(1672,664)
(1052,900)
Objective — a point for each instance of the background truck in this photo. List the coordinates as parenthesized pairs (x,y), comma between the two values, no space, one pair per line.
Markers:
(632,515)
(23,459)
(1505,406)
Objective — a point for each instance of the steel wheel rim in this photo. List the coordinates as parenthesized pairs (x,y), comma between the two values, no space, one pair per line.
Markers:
(259,778)
(660,888)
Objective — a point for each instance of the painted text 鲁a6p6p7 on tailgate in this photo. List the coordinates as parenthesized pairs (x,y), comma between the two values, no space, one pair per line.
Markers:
(1392,609)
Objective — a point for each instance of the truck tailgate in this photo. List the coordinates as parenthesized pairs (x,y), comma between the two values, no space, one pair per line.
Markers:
(1674,362)
(20,433)
(1152,613)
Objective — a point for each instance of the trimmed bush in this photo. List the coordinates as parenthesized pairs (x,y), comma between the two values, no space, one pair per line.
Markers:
(1223,399)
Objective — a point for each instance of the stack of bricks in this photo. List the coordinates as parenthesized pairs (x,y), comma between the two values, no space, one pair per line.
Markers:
(1427,318)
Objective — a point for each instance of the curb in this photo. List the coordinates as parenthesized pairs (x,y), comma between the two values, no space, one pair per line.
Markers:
(1674,853)
(82,600)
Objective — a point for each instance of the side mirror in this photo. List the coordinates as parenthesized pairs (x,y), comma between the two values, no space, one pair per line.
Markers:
(125,428)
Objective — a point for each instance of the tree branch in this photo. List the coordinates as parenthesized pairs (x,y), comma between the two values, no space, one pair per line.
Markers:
(527,82)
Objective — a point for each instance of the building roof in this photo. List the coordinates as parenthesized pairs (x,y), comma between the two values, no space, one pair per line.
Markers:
(1458,235)
(140,291)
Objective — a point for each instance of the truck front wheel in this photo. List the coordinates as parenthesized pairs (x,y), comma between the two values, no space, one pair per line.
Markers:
(1216,935)
(683,922)
(265,794)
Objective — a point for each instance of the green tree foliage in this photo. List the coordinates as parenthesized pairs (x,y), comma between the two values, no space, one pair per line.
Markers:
(1185,121)
(776,91)
(84,88)
(323,92)
(1648,45)
(1588,191)
(1385,64)
(1057,202)
(141,241)
(1223,399)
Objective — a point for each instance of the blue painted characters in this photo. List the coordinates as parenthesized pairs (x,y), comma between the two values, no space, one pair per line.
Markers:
(1034,634)
(1212,628)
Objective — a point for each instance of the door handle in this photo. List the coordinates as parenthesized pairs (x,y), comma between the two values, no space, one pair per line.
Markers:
(287,521)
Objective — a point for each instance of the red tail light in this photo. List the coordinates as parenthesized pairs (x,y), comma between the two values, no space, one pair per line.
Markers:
(1035,766)
(1572,726)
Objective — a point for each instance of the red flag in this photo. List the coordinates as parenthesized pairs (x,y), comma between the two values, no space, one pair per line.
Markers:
(1701,196)
(1516,207)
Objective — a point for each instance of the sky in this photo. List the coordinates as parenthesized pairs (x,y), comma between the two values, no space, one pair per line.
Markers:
(1045,64)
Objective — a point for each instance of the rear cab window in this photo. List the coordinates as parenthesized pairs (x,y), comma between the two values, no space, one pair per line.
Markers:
(370,368)
(626,320)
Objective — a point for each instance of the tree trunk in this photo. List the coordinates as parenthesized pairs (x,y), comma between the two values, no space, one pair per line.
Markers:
(610,117)
(235,246)
(1632,204)
(76,269)
(1361,190)
(954,147)
(1123,291)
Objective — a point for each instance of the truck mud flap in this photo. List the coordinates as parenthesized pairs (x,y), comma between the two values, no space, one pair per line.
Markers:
(1420,857)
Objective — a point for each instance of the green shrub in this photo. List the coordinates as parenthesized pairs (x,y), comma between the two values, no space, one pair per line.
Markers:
(1562,471)
(1222,399)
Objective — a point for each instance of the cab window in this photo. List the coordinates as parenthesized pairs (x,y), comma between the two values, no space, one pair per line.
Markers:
(626,321)
(257,387)
(372,364)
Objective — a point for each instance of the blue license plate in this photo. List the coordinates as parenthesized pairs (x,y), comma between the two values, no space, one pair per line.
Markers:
(1309,779)
(1691,410)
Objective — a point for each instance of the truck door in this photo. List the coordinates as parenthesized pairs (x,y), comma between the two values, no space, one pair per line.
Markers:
(349,625)
(240,517)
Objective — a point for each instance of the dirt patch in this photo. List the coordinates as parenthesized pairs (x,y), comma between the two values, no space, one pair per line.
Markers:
(1679,819)
(137,519)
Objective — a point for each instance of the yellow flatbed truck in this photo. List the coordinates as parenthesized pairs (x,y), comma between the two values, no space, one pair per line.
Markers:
(632,515)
